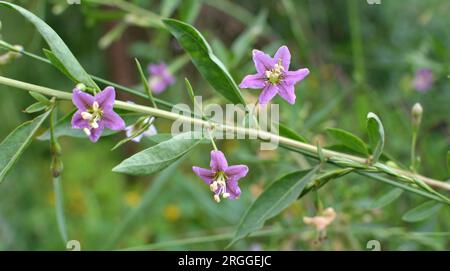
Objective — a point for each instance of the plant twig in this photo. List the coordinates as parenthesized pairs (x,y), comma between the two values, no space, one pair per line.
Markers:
(251,132)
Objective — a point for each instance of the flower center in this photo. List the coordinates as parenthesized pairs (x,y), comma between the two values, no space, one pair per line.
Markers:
(275,75)
(93,115)
(219,186)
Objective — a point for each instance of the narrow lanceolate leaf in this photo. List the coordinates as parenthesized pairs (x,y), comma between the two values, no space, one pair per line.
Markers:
(211,68)
(36,107)
(273,200)
(244,42)
(57,45)
(159,156)
(349,140)
(387,198)
(376,135)
(16,142)
(145,83)
(40,98)
(57,64)
(285,131)
(422,211)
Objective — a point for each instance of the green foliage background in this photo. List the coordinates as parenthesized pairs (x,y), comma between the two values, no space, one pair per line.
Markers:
(362,58)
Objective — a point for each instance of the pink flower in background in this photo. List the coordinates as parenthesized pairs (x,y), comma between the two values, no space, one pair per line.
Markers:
(221,178)
(273,76)
(160,77)
(423,80)
(95,113)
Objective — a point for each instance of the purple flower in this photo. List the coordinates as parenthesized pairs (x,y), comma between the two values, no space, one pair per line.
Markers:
(423,80)
(274,76)
(96,112)
(160,77)
(221,178)
(132,129)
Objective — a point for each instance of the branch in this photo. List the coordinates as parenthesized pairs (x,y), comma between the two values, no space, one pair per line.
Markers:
(332,156)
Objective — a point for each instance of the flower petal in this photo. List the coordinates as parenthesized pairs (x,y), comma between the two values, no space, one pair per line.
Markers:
(157,84)
(82,100)
(236,172)
(267,94)
(218,161)
(233,189)
(78,122)
(253,81)
(206,174)
(157,69)
(106,98)
(151,131)
(96,133)
(284,55)
(263,62)
(113,121)
(287,92)
(168,78)
(293,77)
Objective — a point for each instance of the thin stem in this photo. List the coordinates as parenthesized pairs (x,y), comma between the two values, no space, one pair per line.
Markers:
(413,151)
(178,64)
(59,208)
(250,132)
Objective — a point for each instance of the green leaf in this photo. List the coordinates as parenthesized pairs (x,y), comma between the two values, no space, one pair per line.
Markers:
(211,68)
(422,211)
(376,135)
(57,45)
(242,44)
(285,131)
(112,35)
(145,83)
(349,140)
(12,147)
(40,98)
(168,7)
(279,195)
(189,10)
(387,198)
(159,156)
(36,107)
(57,64)
(324,178)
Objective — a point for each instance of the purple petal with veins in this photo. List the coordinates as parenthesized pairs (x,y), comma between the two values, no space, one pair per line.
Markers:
(273,76)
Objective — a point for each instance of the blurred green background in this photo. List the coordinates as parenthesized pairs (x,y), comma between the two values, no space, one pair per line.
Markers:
(362,58)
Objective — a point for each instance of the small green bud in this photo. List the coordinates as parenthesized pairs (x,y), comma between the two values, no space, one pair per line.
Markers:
(81,86)
(56,166)
(416,115)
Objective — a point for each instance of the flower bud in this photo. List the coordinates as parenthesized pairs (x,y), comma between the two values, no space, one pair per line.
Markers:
(416,115)
(11,55)
(81,86)
(56,166)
